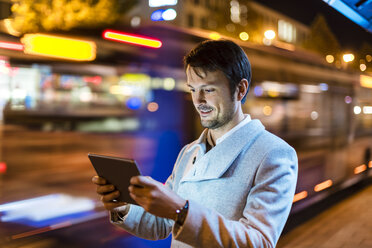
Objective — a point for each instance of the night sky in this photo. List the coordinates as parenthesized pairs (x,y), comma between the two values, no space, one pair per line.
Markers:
(348,33)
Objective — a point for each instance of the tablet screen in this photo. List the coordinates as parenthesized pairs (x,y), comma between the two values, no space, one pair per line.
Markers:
(117,171)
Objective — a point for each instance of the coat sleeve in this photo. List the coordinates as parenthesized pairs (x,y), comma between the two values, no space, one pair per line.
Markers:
(143,224)
(267,208)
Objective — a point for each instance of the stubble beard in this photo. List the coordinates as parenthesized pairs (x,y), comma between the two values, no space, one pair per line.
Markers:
(218,121)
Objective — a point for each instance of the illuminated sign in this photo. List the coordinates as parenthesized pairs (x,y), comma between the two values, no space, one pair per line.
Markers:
(59,47)
(158,3)
(132,39)
(164,15)
(11,46)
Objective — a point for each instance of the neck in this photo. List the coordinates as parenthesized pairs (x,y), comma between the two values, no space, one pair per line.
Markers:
(219,132)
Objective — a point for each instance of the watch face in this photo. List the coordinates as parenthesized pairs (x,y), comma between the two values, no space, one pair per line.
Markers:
(182,213)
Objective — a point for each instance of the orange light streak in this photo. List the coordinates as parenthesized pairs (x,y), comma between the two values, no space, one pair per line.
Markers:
(360,169)
(299,196)
(370,164)
(132,39)
(323,185)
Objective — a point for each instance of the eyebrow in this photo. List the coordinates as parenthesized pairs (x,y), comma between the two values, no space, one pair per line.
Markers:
(202,86)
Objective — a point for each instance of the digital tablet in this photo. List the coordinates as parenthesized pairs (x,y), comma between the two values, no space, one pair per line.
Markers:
(117,171)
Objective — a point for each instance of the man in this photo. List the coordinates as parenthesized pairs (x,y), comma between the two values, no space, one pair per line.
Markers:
(234,186)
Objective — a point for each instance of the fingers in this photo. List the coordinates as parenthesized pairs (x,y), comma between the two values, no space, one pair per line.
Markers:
(112,205)
(144,181)
(105,189)
(110,197)
(99,180)
(138,191)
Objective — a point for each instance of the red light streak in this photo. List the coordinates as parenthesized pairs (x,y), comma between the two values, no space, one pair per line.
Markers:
(95,80)
(131,39)
(2,167)
(11,46)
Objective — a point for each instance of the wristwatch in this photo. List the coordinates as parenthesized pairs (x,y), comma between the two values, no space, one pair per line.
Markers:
(182,213)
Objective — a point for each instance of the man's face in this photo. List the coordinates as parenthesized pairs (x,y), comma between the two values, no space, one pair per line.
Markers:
(211,97)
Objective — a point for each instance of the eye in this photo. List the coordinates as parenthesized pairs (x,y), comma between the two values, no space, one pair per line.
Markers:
(209,90)
(192,90)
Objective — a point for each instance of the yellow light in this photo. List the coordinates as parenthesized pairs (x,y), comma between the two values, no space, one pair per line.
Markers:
(348,57)
(152,106)
(267,110)
(8,26)
(323,185)
(362,67)
(169,83)
(273,93)
(330,59)
(368,58)
(299,196)
(215,36)
(244,36)
(360,169)
(59,47)
(269,34)
(132,39)
(365,81)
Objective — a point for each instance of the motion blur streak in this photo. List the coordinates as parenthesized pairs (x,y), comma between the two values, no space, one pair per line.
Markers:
(45,207)
(59,47)
(59,225)
(299,196)
(11,46)
(2,167)
(365,81)
(132,39)
(323,185)
(360,169)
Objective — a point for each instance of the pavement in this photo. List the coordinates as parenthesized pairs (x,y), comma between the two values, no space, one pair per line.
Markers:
(346,224)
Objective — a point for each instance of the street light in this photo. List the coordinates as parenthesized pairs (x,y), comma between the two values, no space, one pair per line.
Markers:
(244,36)
(269,36)
(330,59)
(348,57)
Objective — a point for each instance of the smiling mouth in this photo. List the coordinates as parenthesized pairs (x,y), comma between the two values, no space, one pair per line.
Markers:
(204,111)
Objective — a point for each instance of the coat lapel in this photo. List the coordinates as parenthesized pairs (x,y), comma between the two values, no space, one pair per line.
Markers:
(216,162)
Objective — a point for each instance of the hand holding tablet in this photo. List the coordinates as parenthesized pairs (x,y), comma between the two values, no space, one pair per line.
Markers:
(116,171)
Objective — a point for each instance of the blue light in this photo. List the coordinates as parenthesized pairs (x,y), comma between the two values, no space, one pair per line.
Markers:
(47,210)
(349,13)
(134,103)
(258,91)
(323,87)
(163,15)
(157,15)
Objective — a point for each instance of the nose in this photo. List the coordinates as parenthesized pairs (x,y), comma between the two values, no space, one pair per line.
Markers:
(199,97)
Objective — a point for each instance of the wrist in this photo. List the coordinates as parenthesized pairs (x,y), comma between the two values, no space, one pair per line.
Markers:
(181,214)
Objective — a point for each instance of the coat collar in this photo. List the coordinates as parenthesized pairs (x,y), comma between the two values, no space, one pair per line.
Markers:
(216,162)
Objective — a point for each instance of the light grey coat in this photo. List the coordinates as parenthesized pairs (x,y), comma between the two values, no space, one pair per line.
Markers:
(240,192)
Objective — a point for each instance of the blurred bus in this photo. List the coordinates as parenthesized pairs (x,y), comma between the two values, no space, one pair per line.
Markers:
(325,113)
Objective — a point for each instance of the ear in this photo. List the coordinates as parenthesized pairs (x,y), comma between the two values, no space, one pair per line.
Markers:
(242,88)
